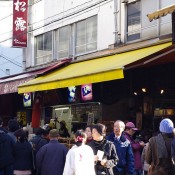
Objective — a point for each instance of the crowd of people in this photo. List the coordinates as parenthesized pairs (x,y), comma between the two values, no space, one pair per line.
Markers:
(94,152)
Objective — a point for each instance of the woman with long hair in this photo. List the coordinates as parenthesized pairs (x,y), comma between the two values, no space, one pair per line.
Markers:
(80,158)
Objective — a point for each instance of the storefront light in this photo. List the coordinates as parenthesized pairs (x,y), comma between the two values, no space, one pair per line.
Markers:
(64,108)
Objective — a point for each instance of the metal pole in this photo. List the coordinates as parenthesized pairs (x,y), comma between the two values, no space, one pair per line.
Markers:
(173,28)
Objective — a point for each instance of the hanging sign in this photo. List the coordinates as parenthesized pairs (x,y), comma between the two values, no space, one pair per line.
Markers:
(20,12)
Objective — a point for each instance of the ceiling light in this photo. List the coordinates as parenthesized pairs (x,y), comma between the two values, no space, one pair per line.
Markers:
(143,89)
(161,91)
(135,93)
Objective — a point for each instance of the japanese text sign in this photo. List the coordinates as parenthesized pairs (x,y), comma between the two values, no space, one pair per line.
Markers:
(20,12)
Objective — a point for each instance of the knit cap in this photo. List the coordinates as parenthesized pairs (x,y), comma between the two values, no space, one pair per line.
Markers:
(166,126)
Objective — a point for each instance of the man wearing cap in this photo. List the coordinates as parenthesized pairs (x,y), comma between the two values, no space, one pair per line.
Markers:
(125,165)
(158,153)
(130,129)
(50,159)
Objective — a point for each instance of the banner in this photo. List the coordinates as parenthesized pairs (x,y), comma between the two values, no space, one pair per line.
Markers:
(20,15)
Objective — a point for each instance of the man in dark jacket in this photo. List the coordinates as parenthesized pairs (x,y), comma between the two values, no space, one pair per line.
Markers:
(125,165)
(6,154)
(50,159)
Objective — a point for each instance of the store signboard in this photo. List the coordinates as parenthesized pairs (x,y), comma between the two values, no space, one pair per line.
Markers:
(86,92)
(20,12)
(72,94)
(27,99)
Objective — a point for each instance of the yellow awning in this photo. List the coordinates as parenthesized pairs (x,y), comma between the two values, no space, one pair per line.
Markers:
(162,12)
(90,71)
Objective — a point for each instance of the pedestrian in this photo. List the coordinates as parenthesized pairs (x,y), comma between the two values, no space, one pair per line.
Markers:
(158,154)
(88,131)
(7,145)
(125,166)
(63,131)
(50,159)
(1,126)
(13,126)
(137,147)
(145,164)
(105,153)
(80,158)
(23,154)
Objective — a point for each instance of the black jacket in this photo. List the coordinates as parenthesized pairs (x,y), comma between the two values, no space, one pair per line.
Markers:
(109,153)
(6,150)
(23,156)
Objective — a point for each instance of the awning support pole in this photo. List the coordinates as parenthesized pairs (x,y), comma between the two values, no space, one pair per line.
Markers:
(173,28)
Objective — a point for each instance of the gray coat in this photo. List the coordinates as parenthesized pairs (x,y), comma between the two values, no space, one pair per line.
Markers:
(50,159)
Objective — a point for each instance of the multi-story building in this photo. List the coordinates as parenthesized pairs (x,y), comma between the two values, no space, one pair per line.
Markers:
(104,42)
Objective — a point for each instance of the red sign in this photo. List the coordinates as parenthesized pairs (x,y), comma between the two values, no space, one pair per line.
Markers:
(20,12)
(86,92)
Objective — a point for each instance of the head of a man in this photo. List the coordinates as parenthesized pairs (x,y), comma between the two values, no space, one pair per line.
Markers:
(166,126)
(130,128)
(53,134)
(119,127)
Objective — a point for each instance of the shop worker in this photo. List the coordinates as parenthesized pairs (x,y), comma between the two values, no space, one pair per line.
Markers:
(137,147)
(125,166)
(50,159)
(158,153)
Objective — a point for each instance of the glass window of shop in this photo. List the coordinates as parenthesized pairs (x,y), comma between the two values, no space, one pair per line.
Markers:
(86,35)
(63,42)
(43,48)
(133,21)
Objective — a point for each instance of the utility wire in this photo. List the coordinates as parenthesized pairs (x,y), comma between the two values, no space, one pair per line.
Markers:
(6,58)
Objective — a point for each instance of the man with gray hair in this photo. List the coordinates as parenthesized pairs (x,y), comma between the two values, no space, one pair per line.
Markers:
(125,166)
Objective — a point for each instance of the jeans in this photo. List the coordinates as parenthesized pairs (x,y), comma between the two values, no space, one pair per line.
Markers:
(138,172)
(7,170)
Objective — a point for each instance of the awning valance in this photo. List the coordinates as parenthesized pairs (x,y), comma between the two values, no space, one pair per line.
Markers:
(10,84)
(90,71)
(162,12)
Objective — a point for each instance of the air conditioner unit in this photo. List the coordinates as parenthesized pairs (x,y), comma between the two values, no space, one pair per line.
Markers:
(124,1)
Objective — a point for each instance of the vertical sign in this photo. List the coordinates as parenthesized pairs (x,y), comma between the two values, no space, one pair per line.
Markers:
(20,12)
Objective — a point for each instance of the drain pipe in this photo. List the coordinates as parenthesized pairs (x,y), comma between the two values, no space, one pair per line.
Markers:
(117,20)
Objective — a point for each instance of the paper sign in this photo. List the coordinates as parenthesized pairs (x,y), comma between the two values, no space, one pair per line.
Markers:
(100,154)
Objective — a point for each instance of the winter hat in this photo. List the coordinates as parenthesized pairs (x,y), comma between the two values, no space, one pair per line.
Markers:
(101,129)
(166,126)
(53,133)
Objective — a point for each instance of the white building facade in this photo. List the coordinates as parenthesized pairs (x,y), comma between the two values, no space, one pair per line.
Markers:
(76,29)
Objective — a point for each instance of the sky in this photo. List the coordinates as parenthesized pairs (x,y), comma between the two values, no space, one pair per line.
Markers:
(10,58)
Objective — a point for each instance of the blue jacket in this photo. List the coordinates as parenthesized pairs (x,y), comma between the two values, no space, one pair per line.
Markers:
(50,158)
(124,152)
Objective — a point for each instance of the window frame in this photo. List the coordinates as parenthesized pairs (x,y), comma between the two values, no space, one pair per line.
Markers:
(75,39)
(127,26)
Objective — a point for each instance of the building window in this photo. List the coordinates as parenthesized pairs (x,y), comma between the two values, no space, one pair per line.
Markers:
(133,21)
(63,42)
(86,35)
(43,48)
